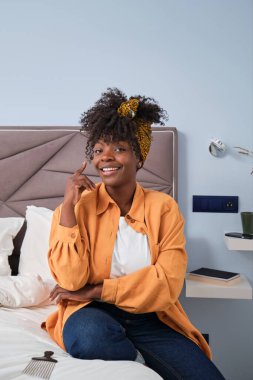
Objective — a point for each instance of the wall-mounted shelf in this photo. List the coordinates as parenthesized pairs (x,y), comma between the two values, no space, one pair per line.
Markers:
(238,244)
(239,288)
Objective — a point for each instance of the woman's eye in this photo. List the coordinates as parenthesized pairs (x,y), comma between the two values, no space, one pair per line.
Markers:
(119,149)
(97,151)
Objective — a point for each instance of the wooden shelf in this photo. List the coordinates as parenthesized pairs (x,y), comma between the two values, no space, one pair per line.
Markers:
(239,288)
(238,244)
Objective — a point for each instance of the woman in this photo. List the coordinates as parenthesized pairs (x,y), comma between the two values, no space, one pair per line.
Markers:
(117,253)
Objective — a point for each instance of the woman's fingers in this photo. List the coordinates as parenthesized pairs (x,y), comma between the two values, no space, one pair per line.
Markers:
(81,169)
(57,289)
(85,182)
(63,294)
(60,294)
(76,184)
(82,180)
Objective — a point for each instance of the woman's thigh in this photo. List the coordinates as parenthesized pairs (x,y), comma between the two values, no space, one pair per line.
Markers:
(91,333)
(169,353)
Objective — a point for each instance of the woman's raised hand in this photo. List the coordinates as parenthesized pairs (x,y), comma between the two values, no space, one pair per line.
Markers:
(76,184)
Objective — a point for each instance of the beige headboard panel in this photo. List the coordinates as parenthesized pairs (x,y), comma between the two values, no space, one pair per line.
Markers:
(36,161)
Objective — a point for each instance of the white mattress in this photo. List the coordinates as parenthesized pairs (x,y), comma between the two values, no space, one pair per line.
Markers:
(22,338)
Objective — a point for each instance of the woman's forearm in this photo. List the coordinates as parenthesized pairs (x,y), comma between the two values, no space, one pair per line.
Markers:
(87,293)
(97,291)
(68,218)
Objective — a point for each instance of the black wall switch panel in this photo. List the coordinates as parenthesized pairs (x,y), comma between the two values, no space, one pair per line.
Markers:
(215,203)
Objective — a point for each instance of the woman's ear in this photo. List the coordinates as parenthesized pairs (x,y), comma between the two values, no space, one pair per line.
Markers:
(139,165)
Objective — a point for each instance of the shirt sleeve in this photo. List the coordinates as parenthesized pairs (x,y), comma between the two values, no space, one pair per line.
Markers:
(68,254)
(156,287)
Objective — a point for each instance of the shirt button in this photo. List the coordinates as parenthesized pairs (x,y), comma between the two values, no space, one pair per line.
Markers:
(73,235)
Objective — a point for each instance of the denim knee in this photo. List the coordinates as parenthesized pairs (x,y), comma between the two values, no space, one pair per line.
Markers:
(92,334)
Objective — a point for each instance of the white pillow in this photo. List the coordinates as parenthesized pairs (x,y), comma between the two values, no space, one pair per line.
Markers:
(25,291)
(34,249)
(9,228)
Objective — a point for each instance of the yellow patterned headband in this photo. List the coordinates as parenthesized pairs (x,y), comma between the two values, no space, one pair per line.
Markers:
(129,109)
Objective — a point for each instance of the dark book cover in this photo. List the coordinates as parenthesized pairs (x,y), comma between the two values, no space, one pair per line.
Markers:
(215,274)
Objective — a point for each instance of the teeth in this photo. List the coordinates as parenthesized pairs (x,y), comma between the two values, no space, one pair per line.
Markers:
(109,169)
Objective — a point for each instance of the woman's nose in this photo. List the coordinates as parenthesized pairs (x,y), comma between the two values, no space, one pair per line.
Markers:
(107,155)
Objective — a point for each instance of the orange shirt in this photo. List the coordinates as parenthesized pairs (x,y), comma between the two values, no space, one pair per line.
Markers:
(82,254)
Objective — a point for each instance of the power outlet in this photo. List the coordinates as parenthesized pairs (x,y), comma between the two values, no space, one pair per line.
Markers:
(215,203)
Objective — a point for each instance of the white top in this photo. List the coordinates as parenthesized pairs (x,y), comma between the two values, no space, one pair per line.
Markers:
(131,251)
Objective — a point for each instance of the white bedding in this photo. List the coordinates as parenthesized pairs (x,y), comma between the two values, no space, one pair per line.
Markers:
(21,338)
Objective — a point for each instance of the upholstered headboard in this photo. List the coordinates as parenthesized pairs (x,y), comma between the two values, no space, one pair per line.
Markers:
(36,161)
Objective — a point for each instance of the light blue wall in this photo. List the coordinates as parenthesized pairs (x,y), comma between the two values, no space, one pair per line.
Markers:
(195,57)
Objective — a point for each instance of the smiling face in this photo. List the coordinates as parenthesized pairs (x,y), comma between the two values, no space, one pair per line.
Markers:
(116,163)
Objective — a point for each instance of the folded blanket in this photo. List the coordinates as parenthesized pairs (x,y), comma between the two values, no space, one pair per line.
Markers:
(25,291)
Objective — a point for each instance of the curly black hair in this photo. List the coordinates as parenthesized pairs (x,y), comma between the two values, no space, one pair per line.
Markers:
(103,121)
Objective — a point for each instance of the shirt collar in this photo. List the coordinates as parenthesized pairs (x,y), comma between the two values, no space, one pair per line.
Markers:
(137,209)
(103,199)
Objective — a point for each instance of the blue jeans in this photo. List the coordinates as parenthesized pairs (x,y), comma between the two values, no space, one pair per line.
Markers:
(103,331)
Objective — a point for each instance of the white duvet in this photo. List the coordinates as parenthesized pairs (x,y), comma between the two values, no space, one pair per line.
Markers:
(22,338)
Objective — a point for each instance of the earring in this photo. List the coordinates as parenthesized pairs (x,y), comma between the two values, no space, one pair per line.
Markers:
(139,166)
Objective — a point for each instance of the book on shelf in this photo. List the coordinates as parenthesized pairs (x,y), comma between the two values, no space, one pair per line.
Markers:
(238,235)
(213,275)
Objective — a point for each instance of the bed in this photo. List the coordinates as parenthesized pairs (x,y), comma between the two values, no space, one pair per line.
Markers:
(34,165)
